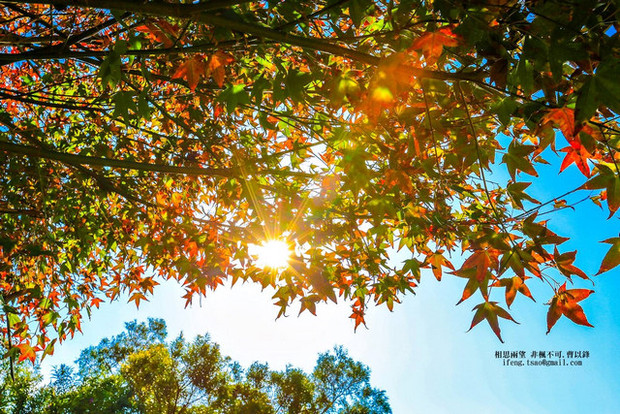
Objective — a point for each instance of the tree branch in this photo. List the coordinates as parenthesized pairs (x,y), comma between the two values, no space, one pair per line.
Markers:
(153,7)
(195,13)
(139,166)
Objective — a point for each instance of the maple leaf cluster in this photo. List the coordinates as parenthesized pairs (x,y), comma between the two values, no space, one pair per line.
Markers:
(160,140)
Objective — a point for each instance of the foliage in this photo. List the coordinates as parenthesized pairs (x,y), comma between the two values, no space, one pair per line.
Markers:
(19,389)
(190,378)
(144,141)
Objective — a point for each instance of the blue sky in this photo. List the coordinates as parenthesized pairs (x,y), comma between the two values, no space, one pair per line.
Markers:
(420,353)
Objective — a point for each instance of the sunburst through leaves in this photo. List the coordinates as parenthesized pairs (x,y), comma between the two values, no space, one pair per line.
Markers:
(272,254)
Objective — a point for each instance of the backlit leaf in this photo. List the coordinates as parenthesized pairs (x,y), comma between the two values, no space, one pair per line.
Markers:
(490,311)
(565,303)
(432,44)
(612,258)
(192,70)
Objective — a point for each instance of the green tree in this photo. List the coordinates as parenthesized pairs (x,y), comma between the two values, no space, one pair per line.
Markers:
(106,357)
(180,377)
(19,389)
(143,141)
(173,380)
(343,386)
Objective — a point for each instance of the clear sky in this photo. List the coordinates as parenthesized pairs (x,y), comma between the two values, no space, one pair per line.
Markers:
(420,353)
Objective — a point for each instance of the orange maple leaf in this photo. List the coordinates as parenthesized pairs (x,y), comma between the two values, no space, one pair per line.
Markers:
(432,44)
(217,63)
(564,118)
(26,352)
(358,313)
(437,260)
(192,70)
(95,302)
(564,263)
(137,297)
(565,303)
(191,248)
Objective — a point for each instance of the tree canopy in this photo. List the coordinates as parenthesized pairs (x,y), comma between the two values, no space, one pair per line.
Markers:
(142,141)
(139,371)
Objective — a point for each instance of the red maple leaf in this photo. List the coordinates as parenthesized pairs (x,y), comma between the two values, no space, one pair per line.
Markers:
(565,303)
(576,153)
(358,313)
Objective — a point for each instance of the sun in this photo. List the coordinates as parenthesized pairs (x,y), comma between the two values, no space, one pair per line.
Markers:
(272,254)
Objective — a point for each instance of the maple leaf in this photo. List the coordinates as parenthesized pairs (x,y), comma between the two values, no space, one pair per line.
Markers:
(137,297)
(473,284)
(564,118)
(610,181)
(161,31)
(490,311)
(565,303)
(216,64)
(320,283)
(612,258)
(432,44)
(482,260)
(26,352)
(565,265)
(49,349)
(95,302)
(437,260)
(576,153)
(513,285)
(192,70)
(540,233)
(513,259)
(316,278)
(309,303)
(516,191)
(517,159)
(358,313)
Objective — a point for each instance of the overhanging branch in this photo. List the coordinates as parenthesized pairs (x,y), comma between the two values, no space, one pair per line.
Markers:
(195,12)
(74,159)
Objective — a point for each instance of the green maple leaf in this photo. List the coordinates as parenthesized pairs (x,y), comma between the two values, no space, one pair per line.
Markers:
(490,311)
(612,258)
(517,159)
(610,181)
